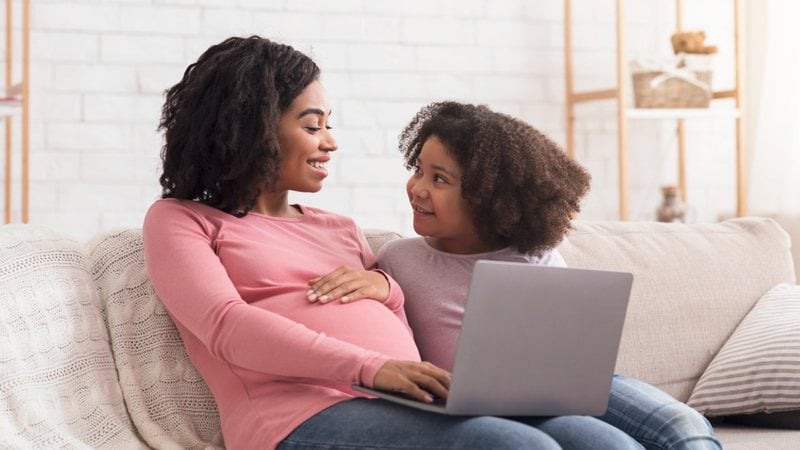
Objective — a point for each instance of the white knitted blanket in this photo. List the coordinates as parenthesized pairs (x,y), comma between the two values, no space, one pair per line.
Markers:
(58,382)
(89,359)
(169,402)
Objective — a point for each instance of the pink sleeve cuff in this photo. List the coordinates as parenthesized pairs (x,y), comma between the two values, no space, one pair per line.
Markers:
(395,299)
(371,368)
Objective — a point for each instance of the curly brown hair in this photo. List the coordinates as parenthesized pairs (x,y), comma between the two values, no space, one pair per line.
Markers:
(522,187)
(220,122)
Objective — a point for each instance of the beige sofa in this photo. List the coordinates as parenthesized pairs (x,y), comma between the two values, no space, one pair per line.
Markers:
(89,358)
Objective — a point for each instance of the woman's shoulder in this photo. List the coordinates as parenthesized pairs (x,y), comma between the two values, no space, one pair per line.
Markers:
(327,218)
(172,206)
(167,212)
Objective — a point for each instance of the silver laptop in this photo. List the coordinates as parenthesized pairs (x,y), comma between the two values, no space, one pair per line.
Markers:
(535,341)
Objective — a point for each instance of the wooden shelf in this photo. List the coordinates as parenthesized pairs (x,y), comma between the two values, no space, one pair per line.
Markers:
(681,113)
(14,102)
(10,108)
(620,93)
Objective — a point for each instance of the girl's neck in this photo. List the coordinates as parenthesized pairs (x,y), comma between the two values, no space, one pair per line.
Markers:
(461,247)
(276,204)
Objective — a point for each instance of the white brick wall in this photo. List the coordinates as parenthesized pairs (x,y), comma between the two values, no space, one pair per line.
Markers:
(99,69)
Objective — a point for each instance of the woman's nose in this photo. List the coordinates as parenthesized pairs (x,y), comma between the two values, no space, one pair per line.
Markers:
(329,143)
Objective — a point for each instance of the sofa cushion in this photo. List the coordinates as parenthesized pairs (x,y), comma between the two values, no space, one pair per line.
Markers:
(58,383)
(757,368)
(698,281)
(376,238)
(168,401)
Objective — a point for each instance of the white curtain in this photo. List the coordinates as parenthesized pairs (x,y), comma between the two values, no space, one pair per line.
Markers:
(773,106)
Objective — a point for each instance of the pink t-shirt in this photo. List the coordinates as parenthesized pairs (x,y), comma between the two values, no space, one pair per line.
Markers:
(235,288)
(436,284)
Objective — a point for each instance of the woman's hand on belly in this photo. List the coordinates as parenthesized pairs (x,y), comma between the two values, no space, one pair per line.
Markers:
(348,284)
(420,380)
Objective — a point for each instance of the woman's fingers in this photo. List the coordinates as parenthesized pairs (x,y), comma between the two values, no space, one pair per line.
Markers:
(322,286)
(435,381)
(348,284)
(421,381)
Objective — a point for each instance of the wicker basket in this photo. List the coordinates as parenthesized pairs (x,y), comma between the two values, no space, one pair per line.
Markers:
(671,91)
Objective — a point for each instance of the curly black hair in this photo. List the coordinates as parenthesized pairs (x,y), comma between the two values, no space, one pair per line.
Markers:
(523,189)
(220,122)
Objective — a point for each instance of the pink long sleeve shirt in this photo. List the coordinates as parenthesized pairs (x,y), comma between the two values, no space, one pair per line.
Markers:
(236,287)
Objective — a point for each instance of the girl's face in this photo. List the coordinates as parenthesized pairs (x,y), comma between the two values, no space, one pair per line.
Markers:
(305,140)
(440,212)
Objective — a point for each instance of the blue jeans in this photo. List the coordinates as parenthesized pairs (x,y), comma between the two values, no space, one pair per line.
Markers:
(656,419)
(377,424)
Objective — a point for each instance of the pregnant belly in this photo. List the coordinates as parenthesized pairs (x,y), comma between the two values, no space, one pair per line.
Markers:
(366,323)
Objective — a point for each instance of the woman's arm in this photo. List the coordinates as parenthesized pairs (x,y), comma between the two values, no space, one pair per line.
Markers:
(195,288)
(348,284)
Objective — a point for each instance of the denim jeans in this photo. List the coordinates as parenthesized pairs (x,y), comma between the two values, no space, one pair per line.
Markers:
(377,424)
(656,419)
(636,410)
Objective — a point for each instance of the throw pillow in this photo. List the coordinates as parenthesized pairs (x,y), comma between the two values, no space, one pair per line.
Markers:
(758,368)
(168,401)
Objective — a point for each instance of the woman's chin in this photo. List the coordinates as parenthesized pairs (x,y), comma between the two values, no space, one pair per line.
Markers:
(309,188)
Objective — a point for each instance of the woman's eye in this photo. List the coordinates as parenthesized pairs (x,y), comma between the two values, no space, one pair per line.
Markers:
(313,129)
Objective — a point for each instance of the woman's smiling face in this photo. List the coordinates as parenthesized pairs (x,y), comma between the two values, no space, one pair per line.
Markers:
(305,140)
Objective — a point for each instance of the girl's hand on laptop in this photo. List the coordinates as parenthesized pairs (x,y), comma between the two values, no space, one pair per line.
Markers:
(419,380)
(348,284)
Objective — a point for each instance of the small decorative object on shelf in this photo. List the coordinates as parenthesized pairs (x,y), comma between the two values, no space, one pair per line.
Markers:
(691,42)
(11,102)
(672,208)
(680,82)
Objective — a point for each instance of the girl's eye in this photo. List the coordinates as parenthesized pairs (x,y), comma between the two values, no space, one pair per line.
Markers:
(439,179)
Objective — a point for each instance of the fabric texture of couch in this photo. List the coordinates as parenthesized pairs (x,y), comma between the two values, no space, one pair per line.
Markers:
(89,358)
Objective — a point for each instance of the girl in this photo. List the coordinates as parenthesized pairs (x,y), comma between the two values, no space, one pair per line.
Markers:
(488,186)
(230,258)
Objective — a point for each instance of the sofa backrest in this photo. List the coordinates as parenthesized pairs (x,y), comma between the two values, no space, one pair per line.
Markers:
(58,381)
(693,284)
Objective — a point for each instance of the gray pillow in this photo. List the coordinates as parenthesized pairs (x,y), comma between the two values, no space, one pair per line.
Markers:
(758,368)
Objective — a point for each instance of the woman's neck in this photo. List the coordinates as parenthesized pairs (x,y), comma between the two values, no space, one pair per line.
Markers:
(276,204)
